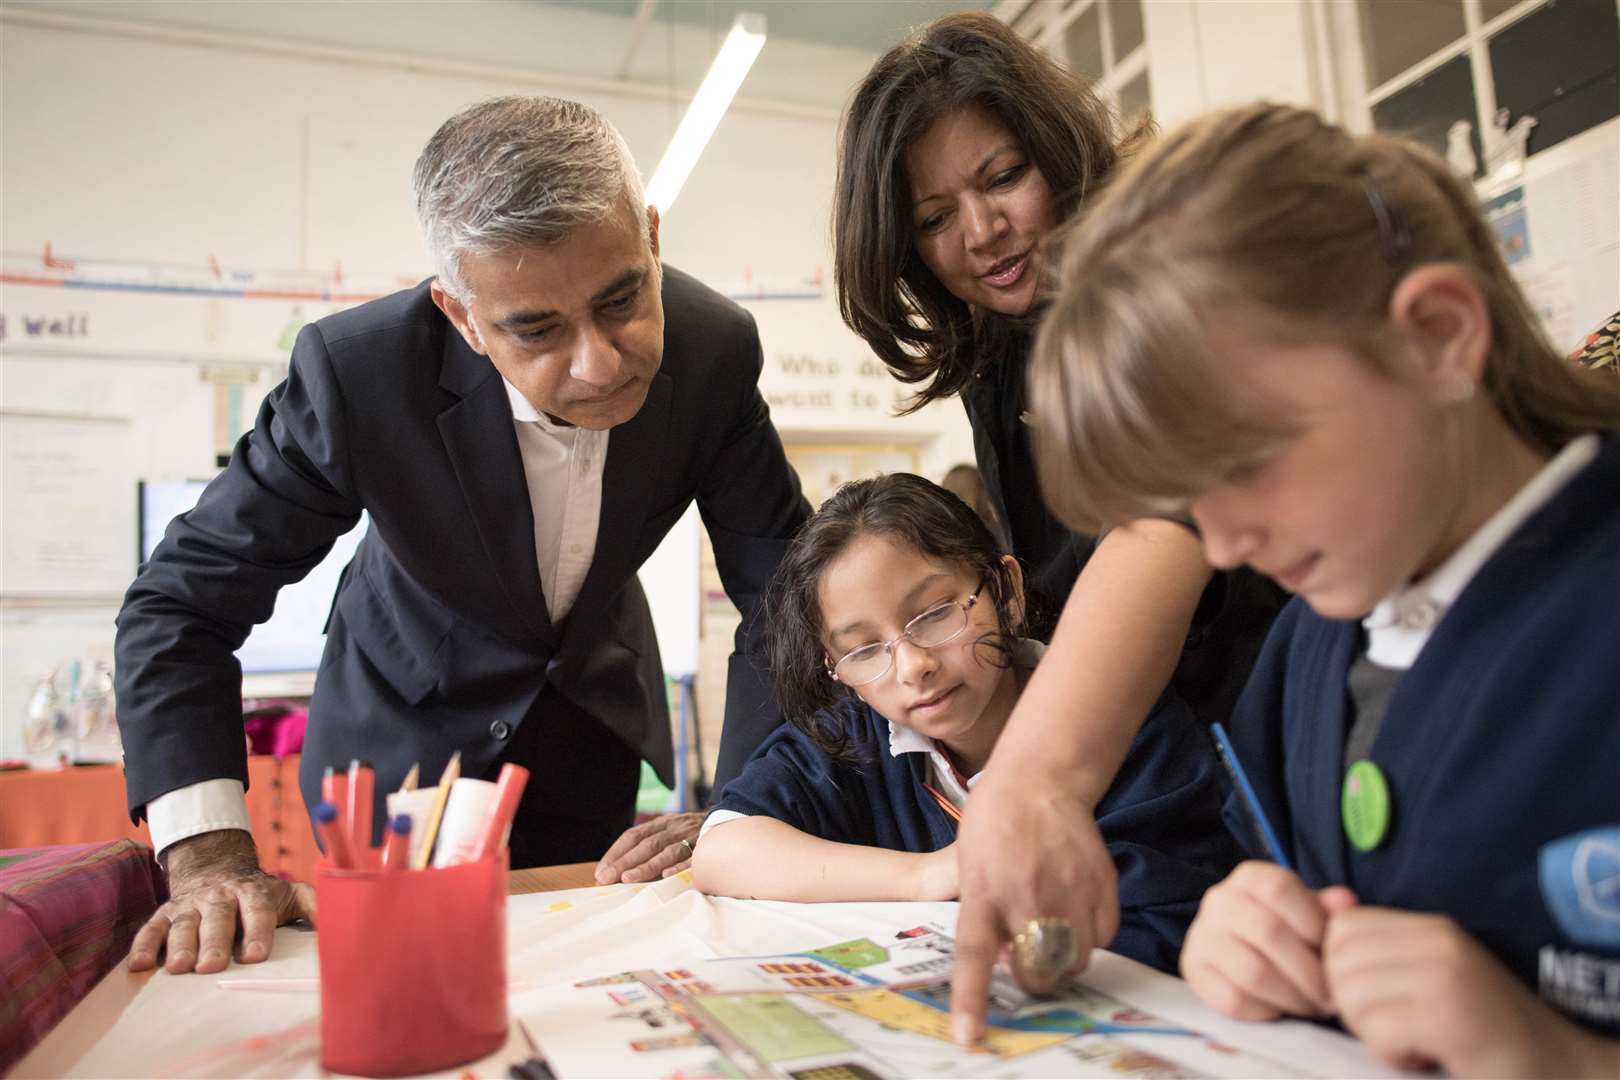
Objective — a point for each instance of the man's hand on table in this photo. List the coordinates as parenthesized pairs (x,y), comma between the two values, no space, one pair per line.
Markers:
(654,849)
(213,878)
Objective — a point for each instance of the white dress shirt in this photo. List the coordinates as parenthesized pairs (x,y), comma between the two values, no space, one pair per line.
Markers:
(1399,627)
(562,466)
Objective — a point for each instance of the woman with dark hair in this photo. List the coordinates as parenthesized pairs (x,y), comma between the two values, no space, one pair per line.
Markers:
(893,630)
(962,151)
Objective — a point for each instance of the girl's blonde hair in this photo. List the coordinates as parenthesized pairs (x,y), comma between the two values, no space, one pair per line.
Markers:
(1269,213)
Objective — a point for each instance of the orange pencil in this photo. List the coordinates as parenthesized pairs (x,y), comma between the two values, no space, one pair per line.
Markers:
(452,773)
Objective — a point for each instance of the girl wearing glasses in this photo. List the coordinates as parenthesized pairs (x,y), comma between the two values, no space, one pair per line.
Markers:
(895,651)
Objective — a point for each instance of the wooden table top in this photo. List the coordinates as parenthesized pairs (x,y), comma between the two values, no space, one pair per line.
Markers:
(551,878)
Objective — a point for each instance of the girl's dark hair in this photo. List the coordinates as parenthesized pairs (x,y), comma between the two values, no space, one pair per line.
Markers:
(885,293)
(901,507)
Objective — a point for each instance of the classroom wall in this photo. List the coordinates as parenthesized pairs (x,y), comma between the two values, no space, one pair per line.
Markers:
(151,156)
(1202,56)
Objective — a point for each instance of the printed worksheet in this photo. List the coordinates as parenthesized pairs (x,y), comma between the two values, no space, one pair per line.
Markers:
(862,1009)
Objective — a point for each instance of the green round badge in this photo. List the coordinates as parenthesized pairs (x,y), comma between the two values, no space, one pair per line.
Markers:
(1365,805)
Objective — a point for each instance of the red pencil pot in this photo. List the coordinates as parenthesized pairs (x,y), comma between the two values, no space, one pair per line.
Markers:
(413,966)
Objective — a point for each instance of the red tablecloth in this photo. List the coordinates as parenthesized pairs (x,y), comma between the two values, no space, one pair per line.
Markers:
(67,916)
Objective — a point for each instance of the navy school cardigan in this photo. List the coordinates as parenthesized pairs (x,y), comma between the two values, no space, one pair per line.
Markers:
(1161,819)
(1500,746)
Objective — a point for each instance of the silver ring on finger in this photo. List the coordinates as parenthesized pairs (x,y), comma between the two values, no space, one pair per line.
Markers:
(1043,951)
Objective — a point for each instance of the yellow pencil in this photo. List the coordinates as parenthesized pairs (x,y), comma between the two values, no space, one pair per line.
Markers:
(452,772)
(409,783)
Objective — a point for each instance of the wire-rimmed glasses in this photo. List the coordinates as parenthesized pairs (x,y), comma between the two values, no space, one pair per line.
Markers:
(932,628)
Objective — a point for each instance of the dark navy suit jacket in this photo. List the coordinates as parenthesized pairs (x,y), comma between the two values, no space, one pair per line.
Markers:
(439,638)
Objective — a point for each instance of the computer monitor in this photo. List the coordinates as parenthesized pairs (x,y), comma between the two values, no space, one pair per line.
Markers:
(290,643)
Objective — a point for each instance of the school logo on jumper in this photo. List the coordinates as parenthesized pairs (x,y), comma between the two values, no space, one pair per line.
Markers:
(1580,882)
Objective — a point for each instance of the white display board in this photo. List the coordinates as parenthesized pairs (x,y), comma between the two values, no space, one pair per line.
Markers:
(67,501)
(1570,268)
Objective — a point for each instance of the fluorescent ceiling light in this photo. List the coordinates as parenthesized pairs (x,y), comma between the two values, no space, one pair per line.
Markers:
(720,85)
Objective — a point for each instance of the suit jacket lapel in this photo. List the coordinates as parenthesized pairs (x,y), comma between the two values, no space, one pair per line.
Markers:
(482,444)
(636,452)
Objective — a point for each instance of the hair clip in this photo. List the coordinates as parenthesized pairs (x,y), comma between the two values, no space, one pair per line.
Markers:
(1394,232)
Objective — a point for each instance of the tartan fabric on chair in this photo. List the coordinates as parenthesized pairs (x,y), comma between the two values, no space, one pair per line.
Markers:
(67,916)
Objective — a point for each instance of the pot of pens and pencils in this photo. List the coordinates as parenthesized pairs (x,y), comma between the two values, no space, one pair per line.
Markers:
(412,934)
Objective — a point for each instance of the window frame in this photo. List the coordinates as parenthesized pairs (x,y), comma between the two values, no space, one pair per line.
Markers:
(1118,71)
(1474,43)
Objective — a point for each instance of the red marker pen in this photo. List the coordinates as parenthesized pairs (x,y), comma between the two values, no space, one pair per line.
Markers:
(508,791)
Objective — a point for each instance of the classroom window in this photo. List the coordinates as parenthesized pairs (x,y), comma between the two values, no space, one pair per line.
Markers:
(1083,43)
(1128,28)
(1426,109)
(1432,63)
(1397,34)
(1103,40)
(1560,64)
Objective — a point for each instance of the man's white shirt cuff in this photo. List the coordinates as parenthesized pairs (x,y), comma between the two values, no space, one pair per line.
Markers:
(197,808)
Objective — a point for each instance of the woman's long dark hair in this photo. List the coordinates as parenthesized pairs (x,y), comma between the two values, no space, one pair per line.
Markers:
(885,293)
(907,510)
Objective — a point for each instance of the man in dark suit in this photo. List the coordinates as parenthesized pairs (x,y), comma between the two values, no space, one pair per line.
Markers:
(523,429)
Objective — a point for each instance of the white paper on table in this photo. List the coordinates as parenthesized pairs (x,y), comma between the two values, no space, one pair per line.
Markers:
(679,940)
(185,1025)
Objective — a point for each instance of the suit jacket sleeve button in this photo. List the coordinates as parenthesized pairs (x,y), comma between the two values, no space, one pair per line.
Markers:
(500,729)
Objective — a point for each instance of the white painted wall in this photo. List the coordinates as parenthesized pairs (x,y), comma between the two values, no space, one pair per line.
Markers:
(1204,55)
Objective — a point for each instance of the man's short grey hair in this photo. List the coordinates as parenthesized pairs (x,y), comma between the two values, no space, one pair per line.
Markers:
(519,172)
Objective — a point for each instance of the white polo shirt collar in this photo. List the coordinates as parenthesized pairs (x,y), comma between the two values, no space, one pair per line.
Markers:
(1400,625)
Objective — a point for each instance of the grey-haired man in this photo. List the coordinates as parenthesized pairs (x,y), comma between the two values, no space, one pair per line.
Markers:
(523,429)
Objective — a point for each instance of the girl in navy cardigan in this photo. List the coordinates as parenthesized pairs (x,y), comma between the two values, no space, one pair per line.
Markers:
(893,631)
(1311,341)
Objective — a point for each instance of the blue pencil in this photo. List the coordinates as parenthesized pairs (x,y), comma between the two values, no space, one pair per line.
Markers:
(1251,801)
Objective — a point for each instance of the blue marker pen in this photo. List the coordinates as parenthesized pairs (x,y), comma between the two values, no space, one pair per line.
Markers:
(1251,801)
